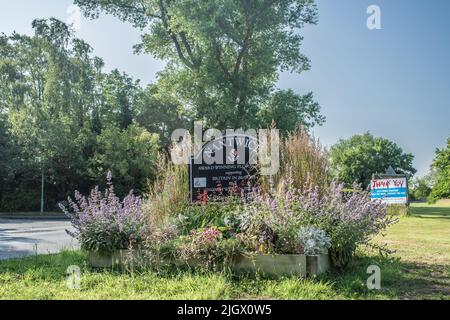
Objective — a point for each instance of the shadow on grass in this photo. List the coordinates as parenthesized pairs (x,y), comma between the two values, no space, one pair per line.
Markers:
(431,212)
(399,280)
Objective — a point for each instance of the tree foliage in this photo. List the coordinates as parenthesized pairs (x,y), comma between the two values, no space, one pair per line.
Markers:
(57,111)
(223,57)
(441,167)
(420,188)
(160,114)
(287,110)
(130,154)
(357,158)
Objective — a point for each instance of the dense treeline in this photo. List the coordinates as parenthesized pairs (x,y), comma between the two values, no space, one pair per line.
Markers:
(62,115)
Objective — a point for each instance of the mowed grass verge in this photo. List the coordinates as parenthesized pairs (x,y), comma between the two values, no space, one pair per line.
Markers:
(419,269)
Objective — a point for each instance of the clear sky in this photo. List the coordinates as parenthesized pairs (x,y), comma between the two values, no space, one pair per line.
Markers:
(393,82)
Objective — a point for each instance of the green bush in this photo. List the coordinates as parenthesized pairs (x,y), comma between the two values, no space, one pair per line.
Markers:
(105,223)
(420,188)
(274,221)
(197,216)
(130,155)
(208,247)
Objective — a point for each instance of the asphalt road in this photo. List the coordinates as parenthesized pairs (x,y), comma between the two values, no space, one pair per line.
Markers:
(24,237)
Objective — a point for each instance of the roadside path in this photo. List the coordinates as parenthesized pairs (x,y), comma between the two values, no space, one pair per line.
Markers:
(24,237)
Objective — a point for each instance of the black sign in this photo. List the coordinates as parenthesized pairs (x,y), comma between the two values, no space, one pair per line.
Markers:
(224,166)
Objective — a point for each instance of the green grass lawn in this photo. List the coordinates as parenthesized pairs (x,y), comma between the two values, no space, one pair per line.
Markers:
(419,269)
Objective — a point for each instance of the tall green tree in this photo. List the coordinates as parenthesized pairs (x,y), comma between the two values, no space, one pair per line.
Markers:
(357,158)
(289,110)
(46,108)
(223,57)
(441,169)
(119,94)
(160,114)
(130,154)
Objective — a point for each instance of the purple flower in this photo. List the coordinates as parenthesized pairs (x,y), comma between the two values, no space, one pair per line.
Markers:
(103,222)
(350,219)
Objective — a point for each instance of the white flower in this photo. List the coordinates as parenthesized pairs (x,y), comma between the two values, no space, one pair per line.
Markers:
(314,241)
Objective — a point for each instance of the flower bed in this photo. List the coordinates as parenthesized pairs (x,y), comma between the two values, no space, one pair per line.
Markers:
(283,233)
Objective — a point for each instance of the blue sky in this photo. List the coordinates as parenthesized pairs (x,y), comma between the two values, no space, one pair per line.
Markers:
(393,82)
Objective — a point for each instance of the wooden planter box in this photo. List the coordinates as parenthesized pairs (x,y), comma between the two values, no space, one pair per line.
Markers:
(117,259)
(316,265)
(272,265)
(283,264)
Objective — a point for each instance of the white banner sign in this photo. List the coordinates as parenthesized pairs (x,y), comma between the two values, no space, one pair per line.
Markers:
(390,191)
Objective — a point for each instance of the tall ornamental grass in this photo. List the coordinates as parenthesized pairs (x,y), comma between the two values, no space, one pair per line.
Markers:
(169,193)
(303,160)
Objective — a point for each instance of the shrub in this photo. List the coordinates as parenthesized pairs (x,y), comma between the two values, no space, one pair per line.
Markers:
(129,153)
(209,248)
(289,222)
(441,172)
(196,216)
(349,220)
(103,222)
(420,188)
(273,222)
(195,233)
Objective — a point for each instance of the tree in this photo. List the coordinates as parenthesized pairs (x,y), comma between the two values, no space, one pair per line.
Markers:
(57,110)
(357,158)
(43,94)
(288,110)
(6,165)
(119,94)
(223,56)
(159,114)
(441,167)
(130,154)
(420,188)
